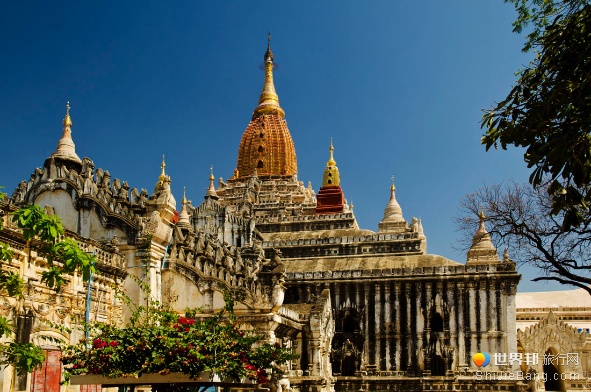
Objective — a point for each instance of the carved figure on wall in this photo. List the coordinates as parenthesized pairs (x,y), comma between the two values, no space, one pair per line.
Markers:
(134,196)
(239,265)
(200,245)
(218,255)
(124,190)
(228,260)
(116,187)
(190,240)
(19,192)
(208,250)
(87,168)
(143,197)
(414,225)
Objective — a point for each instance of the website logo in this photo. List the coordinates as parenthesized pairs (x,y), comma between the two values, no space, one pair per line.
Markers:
(481,359)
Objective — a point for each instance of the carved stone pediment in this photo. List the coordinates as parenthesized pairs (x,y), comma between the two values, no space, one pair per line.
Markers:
(551,330)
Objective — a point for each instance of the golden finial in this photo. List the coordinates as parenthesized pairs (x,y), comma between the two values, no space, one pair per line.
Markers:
(268,101)
(392,188)
(162,175)
(352,206)
(184,195)
(331,172)
(331,161)
(211,177)
(481,214)
(268,53)
(67,120)
(65,146)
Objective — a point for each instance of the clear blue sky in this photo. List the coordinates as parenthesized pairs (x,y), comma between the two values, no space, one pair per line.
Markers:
(399,85)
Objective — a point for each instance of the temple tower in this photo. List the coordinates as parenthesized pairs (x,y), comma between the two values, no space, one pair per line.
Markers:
(266,147)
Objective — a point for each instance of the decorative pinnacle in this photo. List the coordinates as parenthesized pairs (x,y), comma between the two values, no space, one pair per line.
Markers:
(331,161)
(162,175)
(392,188)
(481,214)
(268,100)
(184,195)
(268,53)
(67,120)
(331,172)
(211,189)
(65,146)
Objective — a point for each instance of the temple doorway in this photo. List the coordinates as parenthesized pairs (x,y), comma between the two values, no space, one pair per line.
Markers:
(552,372)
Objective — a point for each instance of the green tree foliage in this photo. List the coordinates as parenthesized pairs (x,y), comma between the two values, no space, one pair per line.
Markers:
(158,340)
(64,257)
(548,111)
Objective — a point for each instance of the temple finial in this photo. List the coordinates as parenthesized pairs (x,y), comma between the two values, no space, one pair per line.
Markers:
(392,187)
(268,101)
(65,146)
(331,172)
(162,175)
(211,189)
(184,195)
(67,120)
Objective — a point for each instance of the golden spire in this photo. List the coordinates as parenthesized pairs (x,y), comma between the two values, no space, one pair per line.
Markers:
(66,149)
(269,100)
(392,188)
(67,120)
(331,172)
(184,195)
(162,175)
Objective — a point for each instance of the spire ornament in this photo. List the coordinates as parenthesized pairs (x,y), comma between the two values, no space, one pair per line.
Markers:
(393,220)
(162,175)
(66,149)
(482,249)
(269,100)
(331,172)
(211,192)
(184,218)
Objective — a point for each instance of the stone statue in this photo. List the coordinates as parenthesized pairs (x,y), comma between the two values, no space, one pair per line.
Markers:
(19,192)
(200,244)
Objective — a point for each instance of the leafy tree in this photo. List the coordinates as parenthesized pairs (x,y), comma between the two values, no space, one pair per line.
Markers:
(548,111)
(158,340)
(64,257)
(519,217)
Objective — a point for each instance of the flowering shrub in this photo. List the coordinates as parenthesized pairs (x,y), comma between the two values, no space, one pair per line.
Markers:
(164,342)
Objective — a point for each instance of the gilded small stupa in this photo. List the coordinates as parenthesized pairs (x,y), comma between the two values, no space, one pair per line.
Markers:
(330,198)
(266,147)
(66,149)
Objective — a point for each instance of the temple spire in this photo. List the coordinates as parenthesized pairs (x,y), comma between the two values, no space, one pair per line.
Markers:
(331,172)
(393,220)
(211,190)
(184,219)
(482,249)
(269,100)
(66,149)
(162,175)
